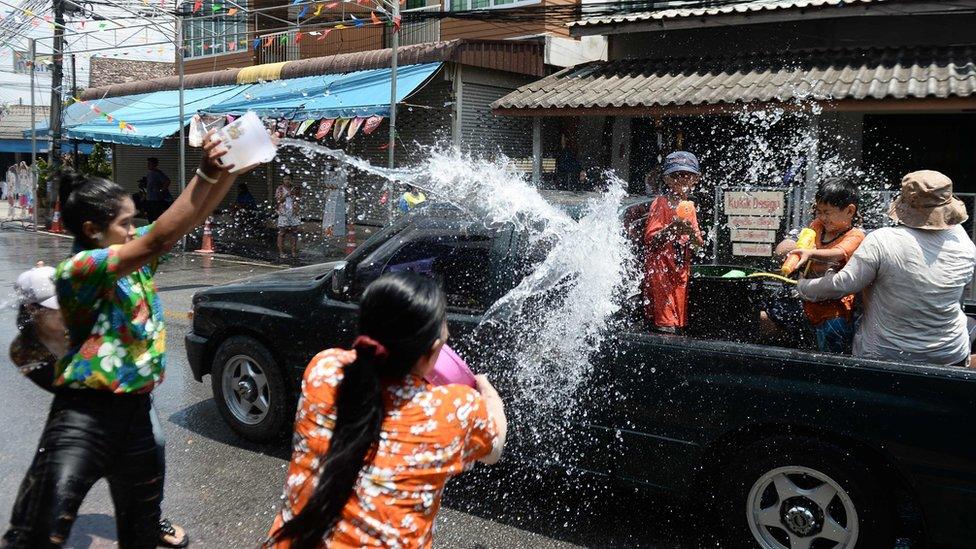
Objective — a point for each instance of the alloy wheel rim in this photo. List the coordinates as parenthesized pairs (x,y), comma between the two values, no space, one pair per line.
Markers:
(792,507)
(246,390)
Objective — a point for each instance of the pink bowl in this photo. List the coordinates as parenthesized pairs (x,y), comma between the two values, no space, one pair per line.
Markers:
(450,368)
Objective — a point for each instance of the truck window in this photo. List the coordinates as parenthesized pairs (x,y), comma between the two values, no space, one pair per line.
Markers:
(460,263)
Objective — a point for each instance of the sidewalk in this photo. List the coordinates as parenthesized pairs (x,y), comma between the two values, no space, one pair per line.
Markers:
(232,241)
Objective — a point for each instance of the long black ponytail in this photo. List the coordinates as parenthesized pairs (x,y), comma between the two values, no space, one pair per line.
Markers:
(401,316)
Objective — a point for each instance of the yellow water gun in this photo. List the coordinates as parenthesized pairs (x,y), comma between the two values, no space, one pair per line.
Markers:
(806,241)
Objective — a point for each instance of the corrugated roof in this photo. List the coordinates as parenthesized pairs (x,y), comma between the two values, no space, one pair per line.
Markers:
(738,8)
(817,74)
(506,55)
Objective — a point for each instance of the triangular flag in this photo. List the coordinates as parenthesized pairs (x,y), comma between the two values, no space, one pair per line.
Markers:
(121,125)
(324,126)
(376,20)
(318,10)
(197,5)
(269,40)
(331,6)
(298,37)
(303,127)
(354,18)
(339,128)
(354,127)
(257,42)
(372,123)
(216,7)
(36,23)
(232,45)
(292,128)
(296,2)
(284,39)
(231,118)
(324,34)
(109,118)
(339,26)
(303,12)
(232,11)
(396,24)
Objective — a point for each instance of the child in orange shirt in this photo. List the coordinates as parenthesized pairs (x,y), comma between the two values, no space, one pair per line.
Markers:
(669,241)
(837,204)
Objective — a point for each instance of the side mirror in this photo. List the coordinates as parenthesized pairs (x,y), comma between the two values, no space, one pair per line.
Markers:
(339,280)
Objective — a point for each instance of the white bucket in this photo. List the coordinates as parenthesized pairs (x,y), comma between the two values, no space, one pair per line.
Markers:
(247,142)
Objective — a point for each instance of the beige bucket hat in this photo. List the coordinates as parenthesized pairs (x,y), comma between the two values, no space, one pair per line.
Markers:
(926,202)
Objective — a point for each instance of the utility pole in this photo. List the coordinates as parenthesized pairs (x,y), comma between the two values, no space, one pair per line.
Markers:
(33,55)
(394,44)
(74,93)
(57,57)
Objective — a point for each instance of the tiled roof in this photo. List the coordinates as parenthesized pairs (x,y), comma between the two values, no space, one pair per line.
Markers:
(818,74)
(737,8)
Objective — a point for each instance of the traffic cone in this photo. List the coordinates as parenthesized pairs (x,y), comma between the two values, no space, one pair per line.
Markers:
(207,247)
(350,240)
(56,218)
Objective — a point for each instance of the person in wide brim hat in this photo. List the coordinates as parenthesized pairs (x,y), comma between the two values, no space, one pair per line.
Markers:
(926,202)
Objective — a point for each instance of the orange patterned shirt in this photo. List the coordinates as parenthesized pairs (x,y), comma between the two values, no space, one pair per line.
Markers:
(429,434)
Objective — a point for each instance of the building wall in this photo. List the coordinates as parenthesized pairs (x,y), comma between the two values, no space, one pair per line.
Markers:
(218,62)
(853,32)
(106,71)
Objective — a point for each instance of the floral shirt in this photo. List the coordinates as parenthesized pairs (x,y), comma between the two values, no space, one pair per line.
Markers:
(115,324)
(429,434)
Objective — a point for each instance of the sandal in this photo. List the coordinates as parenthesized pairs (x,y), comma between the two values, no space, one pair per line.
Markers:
(171,535)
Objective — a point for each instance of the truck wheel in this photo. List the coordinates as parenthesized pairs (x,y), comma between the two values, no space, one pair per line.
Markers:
(249,389)
(800,493)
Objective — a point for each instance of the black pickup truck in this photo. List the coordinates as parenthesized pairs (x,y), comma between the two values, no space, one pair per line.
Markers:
(785,447)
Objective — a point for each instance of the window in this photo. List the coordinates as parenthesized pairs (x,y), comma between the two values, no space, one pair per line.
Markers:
(463,5)
(458,263)
(415,4)
(211,31)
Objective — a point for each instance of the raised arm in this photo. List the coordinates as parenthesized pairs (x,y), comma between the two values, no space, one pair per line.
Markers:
(496,411)
(195,203)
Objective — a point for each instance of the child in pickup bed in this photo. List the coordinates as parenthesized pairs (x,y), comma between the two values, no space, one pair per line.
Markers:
(837,205)
(669,240)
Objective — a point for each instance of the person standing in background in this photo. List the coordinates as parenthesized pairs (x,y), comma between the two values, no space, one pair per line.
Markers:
(287,205)
(334,208)
(411,199)
(157,190)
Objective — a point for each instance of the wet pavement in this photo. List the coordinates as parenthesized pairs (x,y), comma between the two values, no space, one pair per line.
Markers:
(225,490)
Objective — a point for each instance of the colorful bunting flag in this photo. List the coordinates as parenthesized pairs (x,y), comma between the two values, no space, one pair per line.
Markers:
(257,42)
(396,24)
(294,2)
(318,10)
(354,127)
(298,37)
(339,27)
(303,127)
(232,11)
(372,123)
(331,6)
(324,126)
(292,128)
(376,20)
(284,39)
(303,11)
(197,5)
(339,128)
(269,40)
(324,34)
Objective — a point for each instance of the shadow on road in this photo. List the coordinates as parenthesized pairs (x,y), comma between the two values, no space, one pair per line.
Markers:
(92,531)
(203,419)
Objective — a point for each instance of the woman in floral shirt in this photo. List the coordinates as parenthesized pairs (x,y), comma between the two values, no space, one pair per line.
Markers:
(374,443)
(99,425)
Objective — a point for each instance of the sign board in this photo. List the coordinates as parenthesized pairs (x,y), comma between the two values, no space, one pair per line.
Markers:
(768,223)
(753,235)
(752,249)
(759,203)
(22,61)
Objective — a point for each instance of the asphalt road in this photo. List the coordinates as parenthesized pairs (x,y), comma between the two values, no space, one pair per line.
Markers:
(225,491)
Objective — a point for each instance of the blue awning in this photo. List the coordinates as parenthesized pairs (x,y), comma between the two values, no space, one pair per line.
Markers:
(79,113)
(360,93)
(24,146)
(154,116)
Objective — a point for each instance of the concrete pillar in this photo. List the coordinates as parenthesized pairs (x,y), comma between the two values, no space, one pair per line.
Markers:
(536,150)
(620,147)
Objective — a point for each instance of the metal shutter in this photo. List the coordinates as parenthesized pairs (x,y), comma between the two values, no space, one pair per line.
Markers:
(486,133)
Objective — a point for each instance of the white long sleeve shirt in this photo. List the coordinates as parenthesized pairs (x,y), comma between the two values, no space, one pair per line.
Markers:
(912,282)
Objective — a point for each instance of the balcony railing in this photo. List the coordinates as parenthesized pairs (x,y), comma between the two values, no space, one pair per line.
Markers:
(420,30)
(277,47)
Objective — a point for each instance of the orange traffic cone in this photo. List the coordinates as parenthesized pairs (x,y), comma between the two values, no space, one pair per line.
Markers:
(207,247)
(56,218)
(350,240)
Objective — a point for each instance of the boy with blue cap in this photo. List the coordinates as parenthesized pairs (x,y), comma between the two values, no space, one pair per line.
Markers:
(670,238)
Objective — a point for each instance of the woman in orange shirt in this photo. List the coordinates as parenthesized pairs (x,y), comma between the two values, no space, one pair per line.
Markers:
(374,443)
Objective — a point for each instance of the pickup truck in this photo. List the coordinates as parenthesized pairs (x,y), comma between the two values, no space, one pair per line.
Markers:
(779,447)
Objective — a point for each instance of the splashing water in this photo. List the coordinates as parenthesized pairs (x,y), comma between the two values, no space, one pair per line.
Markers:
(556,318)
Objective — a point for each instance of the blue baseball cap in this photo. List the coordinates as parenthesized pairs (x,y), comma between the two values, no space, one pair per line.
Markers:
(681,161)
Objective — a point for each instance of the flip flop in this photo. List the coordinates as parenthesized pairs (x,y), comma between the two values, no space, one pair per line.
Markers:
(171,535)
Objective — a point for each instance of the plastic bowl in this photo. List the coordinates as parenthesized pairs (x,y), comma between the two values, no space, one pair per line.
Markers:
(450,368)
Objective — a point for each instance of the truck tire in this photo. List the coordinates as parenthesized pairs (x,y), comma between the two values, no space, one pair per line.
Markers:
(250,391)
(798,492)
